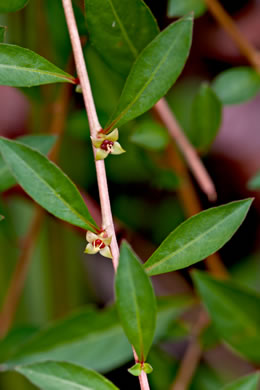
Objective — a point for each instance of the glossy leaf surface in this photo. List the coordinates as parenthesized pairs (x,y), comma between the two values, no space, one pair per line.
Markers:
(198,237)
(182,8)
(249,382)
(65,376)
(154,72)
(127,27)
(21,67)
(12,5)
(237,85)
(234,310)
(43,143)
(46,183)
(205,117)
(135,301)
(91,338)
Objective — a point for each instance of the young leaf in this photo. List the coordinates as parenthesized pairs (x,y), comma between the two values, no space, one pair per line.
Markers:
(46,184)
(2,33)
(254,183)
(198,237)
(236,85)
(182,8)
(128,26)
(150,135)
(135,301)
(65,376)
(249,382)
(136,369)
(43,143)
(154,72)
(12,5)
(21,67)
(234,311)
(205,117)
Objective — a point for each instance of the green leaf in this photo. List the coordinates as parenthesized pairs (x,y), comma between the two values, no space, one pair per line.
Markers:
(182,8)
(205,117)
(254,183)
(249,382)
(21,67)
(128,27)
(2,33)
(43,143)
(135,301)
(136,369)
(65,376)
(12,5)
(91,338)
(198,237)
(148,369)
(46,184)
(236,85)
(154,72)
(150,135)
(234,311)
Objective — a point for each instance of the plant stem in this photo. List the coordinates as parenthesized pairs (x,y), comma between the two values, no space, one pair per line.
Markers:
(194,162)
(107,219)
(94,125)
(219,13)
(19,275)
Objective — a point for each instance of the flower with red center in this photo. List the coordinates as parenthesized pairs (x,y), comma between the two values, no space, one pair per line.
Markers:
(98,243)
(106,144)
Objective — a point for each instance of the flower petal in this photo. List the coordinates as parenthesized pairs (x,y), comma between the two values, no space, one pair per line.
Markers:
(106,252)
(113,136)
(91,250)
(107,240)
(91,236)
(96,142)
(117,148)
(101,154)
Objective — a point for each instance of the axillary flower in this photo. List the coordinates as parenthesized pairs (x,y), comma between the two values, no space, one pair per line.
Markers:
(106,144)
(98,243)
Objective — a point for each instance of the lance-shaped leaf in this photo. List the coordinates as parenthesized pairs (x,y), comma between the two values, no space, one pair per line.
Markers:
(237,85)
(43,143)
(182,8)
(254,183)
(91,338)
(234,311)
(2,33)
(154,72)
(198,237)
(205,117)
(135,301)
(12,5)
(46,183)
(127,27)
(249,382)
(21,67)
(65,376)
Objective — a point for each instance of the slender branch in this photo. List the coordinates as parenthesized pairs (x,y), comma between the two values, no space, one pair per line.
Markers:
(19,275)
(107,219)
(192,355)
(187,149)
(245,47)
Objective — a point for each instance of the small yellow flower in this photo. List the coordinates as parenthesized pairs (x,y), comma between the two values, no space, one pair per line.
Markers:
(98,243)
(106,144)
